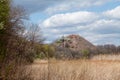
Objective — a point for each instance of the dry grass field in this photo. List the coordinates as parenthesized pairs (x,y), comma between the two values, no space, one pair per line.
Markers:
(94,69)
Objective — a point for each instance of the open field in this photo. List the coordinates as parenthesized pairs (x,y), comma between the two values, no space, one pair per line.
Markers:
(107,57)
(76,70)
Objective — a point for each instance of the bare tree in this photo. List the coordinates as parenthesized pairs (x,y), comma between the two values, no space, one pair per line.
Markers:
(20,46)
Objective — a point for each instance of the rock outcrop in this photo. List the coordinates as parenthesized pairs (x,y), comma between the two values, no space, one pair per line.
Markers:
(74,42)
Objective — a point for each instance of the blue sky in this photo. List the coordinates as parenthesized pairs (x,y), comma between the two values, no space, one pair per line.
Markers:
(96,20)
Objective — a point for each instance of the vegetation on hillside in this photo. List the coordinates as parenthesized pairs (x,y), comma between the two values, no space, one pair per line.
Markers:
(76,47)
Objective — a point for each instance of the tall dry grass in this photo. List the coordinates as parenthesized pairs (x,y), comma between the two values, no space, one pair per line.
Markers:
(76,70)
(107,57)
(39,70)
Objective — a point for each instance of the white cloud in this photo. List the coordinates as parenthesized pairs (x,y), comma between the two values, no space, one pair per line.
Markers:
(94,27)
(59,20)
(74,4)
(114,13)
(105,26)
(58,8)
(55,6)
(103,38)
(103,32)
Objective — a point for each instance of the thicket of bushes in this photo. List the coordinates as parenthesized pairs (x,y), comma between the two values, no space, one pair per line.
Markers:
(17,44)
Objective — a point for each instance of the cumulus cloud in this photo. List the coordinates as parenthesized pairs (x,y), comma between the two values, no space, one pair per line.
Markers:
(99,39)
(62,20)
(114,13)
(105,26)
(53,6)
(94,27)
(74,4)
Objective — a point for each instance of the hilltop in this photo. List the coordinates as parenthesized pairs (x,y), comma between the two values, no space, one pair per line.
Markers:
(72,47)
(74,42)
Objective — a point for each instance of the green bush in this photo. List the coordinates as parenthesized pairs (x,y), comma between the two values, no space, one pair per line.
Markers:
(85,53)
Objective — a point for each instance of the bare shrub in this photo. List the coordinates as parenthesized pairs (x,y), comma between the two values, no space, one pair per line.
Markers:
(18,50)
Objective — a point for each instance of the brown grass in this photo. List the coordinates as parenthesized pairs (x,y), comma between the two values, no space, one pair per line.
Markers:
(107,57)
(76,70)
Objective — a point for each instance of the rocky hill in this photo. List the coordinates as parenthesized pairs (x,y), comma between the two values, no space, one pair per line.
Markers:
(74,42)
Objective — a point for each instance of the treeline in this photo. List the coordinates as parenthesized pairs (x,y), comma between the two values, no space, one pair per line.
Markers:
(66,53)
(107,49)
